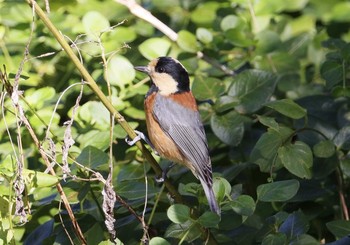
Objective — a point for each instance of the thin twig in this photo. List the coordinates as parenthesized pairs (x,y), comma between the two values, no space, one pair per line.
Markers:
(92,84)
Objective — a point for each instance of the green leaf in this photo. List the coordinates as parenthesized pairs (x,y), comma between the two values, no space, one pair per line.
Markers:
(92,157)
(295,225)
(269,122)
(339,228)
(154,47)
(268,41)
(238,38)
(120,71)
(225,103)
(186,231)
(229,128)
(205,13)
(209,220)
(305,239)
(324,149)
(36,179)
(95,23)
(278,62)
(178,213)
(339,91)
(37,97)
(243,205)
(207,87)
(221,188)
(274,239)
(279,191)
(158,241)
(187,41)
(204,35)
(230,22)
(288,108)
(332,72)
(265,151)
(133,190)
(297,158)
(253,88)
(342,138)
(340,12)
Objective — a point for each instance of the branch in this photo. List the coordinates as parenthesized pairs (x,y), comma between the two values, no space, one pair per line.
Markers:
(92,84)
(142,13)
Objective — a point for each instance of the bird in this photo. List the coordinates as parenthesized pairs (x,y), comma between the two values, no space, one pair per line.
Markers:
(174,124)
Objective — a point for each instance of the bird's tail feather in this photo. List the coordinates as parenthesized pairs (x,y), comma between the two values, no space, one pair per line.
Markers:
(209,193)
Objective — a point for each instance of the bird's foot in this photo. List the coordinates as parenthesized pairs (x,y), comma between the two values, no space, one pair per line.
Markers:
(140,136)
(164,176)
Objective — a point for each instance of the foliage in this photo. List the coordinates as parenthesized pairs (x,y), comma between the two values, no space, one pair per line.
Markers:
(277,73)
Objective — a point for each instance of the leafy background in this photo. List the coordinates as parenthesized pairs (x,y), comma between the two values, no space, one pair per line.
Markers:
(277,74)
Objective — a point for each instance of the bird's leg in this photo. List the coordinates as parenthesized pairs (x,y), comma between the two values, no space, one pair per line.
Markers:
(165,172)
(140,136)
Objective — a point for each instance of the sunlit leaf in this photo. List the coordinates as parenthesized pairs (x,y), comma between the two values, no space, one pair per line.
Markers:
(187,41)
(120,71)
(204,35)
(154,47)
(94,23)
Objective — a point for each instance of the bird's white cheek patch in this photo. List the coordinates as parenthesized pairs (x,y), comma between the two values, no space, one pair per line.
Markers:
(165,83)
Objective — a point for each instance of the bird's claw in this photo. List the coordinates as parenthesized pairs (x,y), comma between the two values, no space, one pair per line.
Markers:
(164,176)
(140,136)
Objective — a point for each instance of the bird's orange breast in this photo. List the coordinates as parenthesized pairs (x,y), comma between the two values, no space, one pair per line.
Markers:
(164,145)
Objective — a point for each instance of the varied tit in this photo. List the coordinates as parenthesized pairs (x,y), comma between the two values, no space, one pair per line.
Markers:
(173,122)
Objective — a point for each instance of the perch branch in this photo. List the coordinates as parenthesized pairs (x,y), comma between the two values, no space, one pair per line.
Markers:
(92,84)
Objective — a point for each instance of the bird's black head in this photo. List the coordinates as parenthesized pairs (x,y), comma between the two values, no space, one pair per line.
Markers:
(168,75)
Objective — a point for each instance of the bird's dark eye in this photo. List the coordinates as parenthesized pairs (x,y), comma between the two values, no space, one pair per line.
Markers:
(161,70)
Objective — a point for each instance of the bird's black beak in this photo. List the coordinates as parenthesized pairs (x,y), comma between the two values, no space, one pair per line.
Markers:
(143,69)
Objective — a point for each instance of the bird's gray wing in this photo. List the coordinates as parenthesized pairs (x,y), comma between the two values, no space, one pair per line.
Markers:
(185,128)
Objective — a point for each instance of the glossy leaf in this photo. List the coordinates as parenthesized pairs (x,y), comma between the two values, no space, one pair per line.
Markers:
(324,149)
(253,88)
(295,225)
(187,231)
(36,179)
(339,228)
(265,150)
(209,220)
(243,205)
(207,87)
(288,108)
(92,157)
(178,213)
(279,191)
(158,241)
(229,127)
(297,158)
